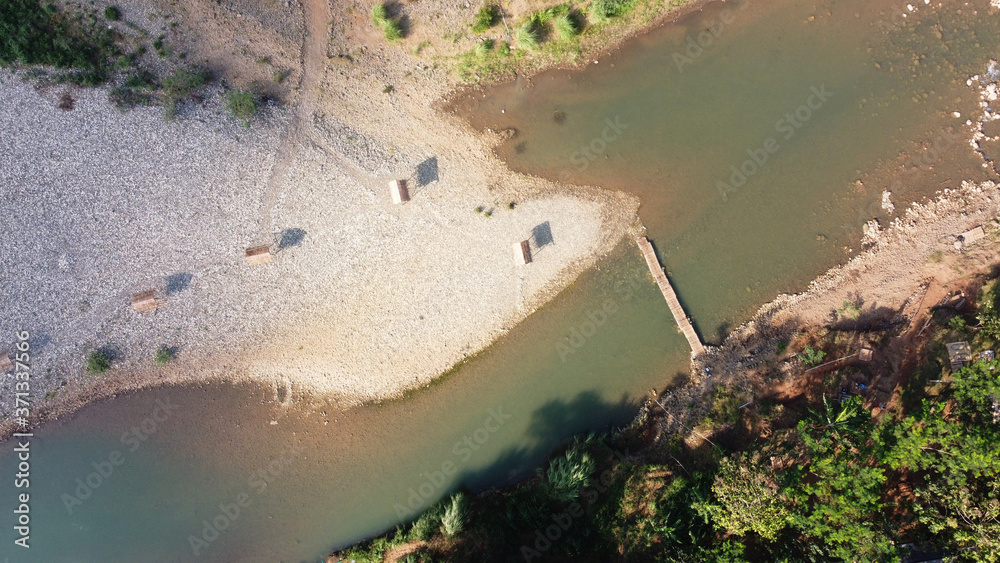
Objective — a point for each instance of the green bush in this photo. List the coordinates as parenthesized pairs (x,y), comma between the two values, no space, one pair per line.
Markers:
(849,310)
(568,474)
(242,105)
(487,17)
(98,361)
(603,10)
(811,357)
(989,310)
(428,523)
(746,499)
(389,26)
(179,86)
(164,354)
(112,13)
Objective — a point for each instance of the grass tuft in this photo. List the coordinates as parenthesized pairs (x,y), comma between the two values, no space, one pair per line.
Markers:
(242,105)
(566,25)
(527,35)
(455,516)
(390,26)
(483,49)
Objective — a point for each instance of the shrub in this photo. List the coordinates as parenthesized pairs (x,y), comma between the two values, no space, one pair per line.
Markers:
(425,526)
(746,499)
(849,310)
(389,26)
(164,354)
(527,35)
(565,25)
(123,97)
(989,310)
(98,361)
(179,86)
(242,105)
(568,474)
(603,10)
(487,17)
(183,82)
(811,357)
(455,514)
(112,13)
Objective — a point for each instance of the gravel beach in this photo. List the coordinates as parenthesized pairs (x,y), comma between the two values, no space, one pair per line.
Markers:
(363,299)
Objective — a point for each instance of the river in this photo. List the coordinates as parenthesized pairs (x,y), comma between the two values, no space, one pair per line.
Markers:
(827,101)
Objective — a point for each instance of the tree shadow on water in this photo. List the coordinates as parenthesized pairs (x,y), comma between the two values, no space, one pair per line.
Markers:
(552,425)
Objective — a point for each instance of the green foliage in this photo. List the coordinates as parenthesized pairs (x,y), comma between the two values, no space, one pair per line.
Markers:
(957,498)
(989,310)
(527,35)
(32,34)
(164,354)
(124,98)
(112,13)
(487,17)
(725,406)
(242,105)
(98,361)
(835,495)
(428,523)
(390,26)
(179,86)
(568,474)
(849,310)
(811,357)
(957,323)
(483,48)
(542,17)
(657,513)
(977,392)
(603,10)
(455,515)
(566,25)
(745,499)
(838,497)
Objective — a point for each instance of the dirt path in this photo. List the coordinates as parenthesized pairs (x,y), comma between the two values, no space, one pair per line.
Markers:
(316,14)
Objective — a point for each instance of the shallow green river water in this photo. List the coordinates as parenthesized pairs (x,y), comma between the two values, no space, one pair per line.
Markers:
(131,479)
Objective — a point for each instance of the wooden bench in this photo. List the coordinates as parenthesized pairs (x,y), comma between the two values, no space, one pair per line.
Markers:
(522,252)
(259,255)
(399,192)
(145,301)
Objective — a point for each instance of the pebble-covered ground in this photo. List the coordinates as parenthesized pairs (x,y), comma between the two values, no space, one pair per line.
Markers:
(365,298)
